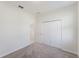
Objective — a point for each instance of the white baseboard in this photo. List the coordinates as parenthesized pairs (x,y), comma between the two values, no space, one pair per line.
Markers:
(15,49)
(61,48)
(69,51)
(36,42)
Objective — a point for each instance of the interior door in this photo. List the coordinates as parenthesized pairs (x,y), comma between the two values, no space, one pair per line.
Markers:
(50,33)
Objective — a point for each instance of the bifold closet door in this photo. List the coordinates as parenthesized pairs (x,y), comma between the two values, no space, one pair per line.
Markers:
(50,33)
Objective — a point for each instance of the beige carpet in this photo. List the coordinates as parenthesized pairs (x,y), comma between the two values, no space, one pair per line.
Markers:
(38,50)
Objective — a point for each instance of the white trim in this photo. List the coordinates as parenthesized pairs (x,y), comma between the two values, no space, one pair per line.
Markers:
(15,49)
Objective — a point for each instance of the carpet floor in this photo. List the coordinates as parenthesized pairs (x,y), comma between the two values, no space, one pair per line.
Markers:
(38,50)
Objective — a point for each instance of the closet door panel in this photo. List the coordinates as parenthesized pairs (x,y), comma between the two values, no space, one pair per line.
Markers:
(50,33)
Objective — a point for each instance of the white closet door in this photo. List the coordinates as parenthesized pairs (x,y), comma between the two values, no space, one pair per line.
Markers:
(50,33)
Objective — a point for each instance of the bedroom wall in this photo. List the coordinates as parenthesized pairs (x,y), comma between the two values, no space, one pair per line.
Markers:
(16,28)
(68,17)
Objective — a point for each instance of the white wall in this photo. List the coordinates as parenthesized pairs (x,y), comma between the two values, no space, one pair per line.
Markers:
(69,28)
(16,28)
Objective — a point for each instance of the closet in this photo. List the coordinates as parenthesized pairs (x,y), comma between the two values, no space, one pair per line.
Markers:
(51,32)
